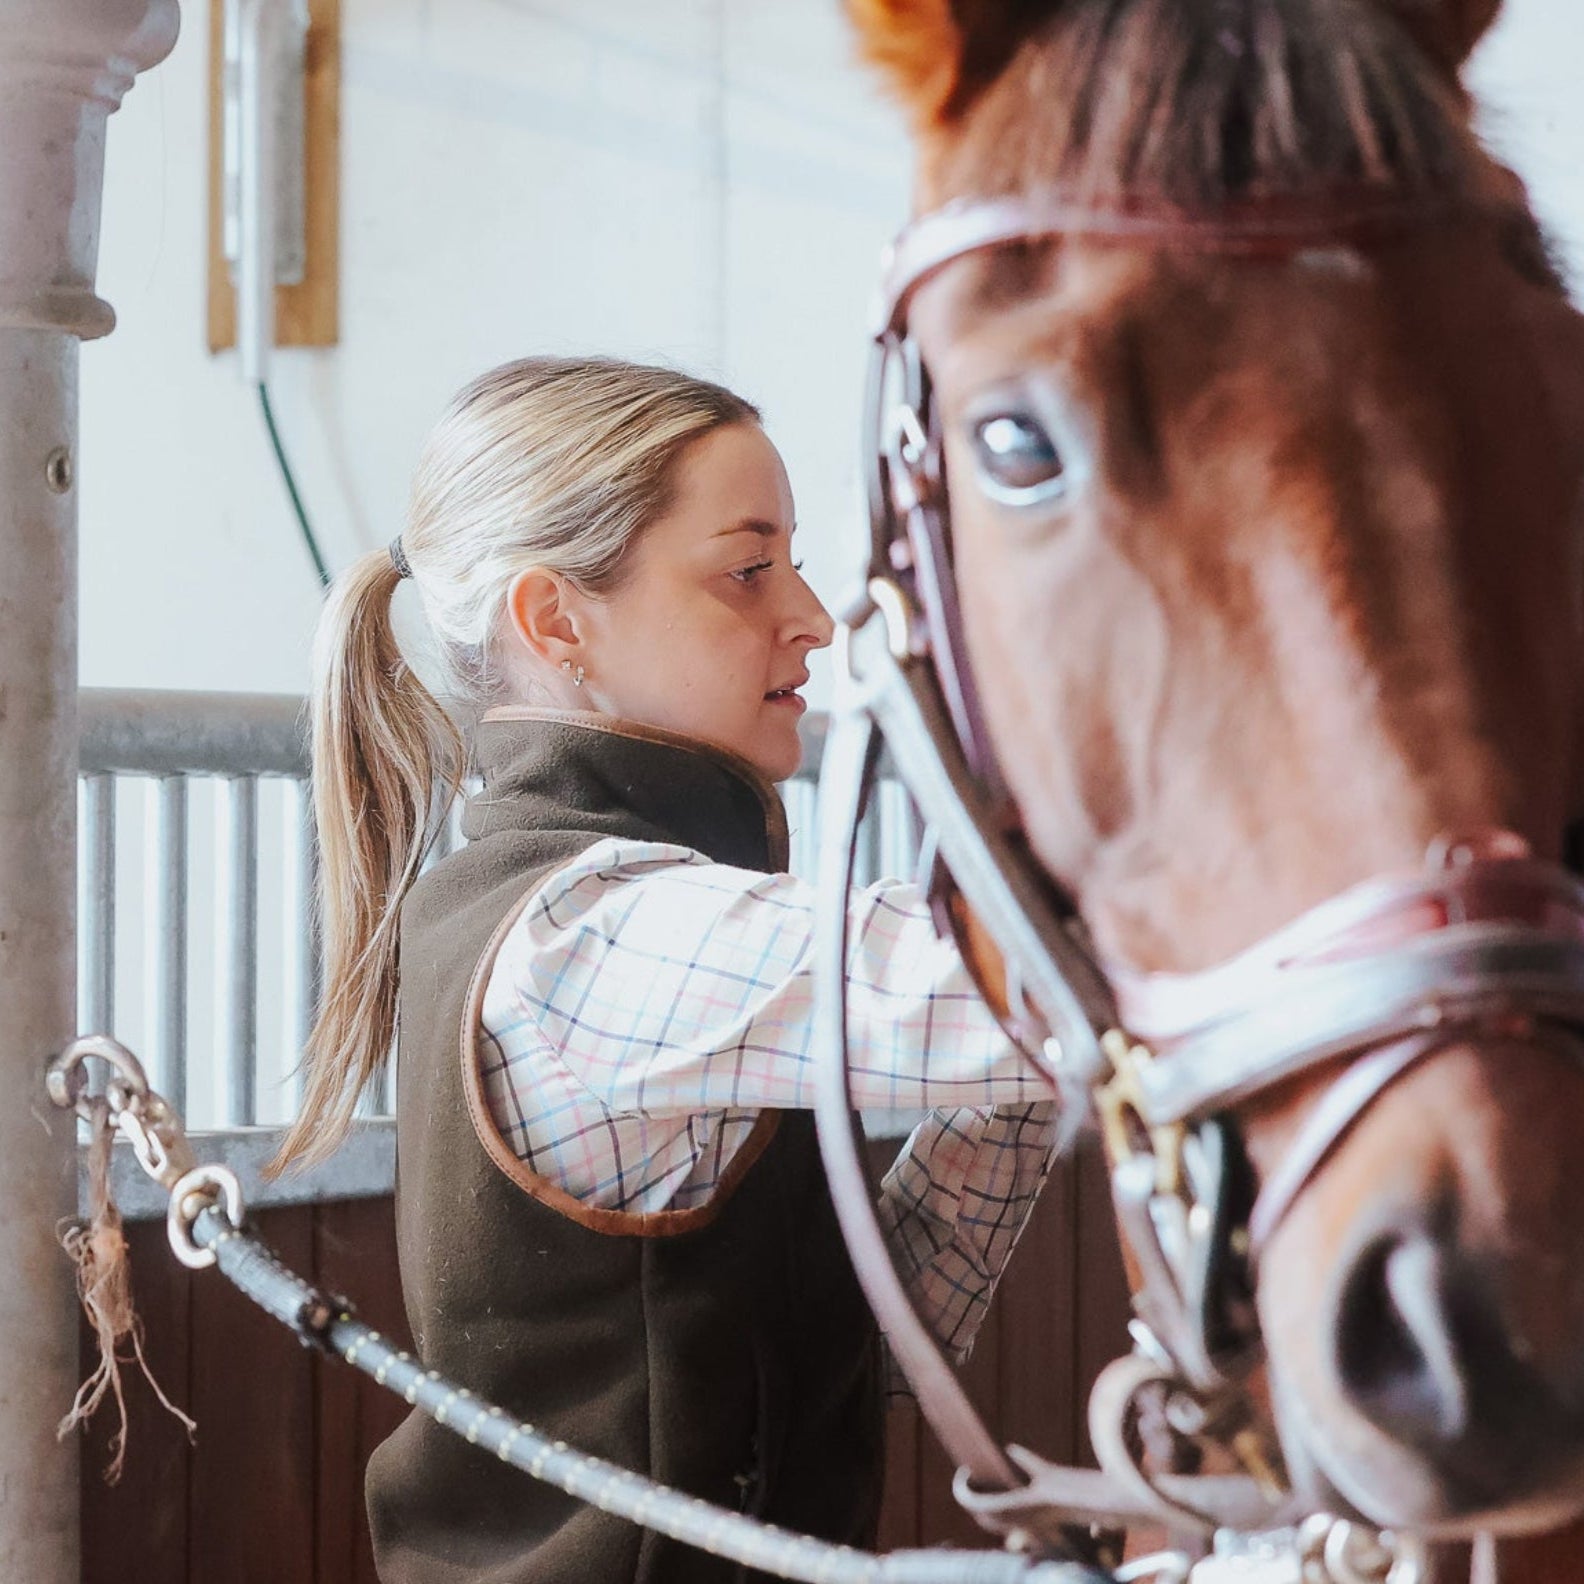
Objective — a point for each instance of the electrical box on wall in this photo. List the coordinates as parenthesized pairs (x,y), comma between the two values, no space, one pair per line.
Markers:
(274,173)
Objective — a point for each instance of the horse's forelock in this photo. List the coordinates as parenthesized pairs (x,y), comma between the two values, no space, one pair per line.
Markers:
(1197,102)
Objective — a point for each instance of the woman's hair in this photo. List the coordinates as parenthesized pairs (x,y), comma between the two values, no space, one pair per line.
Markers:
(558,463)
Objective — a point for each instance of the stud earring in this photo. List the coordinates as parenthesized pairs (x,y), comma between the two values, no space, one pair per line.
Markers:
(577,676)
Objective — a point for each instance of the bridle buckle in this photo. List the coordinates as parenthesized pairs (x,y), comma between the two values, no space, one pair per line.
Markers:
(1119,1107)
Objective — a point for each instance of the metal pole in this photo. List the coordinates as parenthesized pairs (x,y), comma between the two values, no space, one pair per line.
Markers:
(64,65)
(302,934)
(96,993)
(236,938)
(165,921)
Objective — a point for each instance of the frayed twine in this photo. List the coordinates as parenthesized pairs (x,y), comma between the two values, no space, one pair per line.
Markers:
(98,1248)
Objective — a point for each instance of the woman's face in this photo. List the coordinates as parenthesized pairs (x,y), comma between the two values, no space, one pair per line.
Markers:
(710,630)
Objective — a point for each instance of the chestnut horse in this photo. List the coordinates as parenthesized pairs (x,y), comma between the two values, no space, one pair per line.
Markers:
(1272,577)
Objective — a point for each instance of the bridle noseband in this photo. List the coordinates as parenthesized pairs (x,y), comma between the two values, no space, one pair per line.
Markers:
(1379,979)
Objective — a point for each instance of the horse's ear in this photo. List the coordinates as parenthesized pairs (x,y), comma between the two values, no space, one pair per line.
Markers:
(939,55)
(1447,30)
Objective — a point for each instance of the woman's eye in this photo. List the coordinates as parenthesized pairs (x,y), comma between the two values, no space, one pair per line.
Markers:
(1017,461)
(747,574)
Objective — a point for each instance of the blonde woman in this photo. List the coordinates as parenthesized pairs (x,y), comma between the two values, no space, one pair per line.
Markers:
(611,1212)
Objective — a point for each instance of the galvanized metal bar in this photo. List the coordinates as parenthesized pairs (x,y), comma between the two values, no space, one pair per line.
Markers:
(801,800)
(364,1167)
(63,68)
(97,931)
(302,936)
(867,859)
(448,830)
(38,947)
(237,949)
(165,932)
(379,1099)
(152,732)
(149,731)
(900,834)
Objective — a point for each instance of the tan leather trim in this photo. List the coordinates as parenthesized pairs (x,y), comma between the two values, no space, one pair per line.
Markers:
(615,1223)
(614,726)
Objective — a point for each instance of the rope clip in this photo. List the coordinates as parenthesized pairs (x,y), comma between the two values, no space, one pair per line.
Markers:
(151,1126)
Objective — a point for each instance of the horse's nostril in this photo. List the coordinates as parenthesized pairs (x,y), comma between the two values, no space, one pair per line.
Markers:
(1403,1339)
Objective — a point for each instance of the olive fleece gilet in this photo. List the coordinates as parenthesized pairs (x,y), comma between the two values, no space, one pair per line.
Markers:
(725,1350)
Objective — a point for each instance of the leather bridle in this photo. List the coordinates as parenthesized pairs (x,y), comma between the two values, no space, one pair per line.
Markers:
(1375,981)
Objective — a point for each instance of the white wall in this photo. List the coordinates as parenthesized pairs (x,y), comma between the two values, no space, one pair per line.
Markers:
(706,182)
(1527,77)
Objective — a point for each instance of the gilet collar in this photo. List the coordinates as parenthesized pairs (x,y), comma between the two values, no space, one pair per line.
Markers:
(568,769)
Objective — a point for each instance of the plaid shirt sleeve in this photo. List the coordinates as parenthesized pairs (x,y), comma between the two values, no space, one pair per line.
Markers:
(648,1004)
(955,1203)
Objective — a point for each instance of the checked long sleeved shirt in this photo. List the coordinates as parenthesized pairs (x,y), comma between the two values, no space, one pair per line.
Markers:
(648,1004)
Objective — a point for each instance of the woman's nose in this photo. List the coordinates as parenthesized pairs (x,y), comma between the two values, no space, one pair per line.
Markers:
(812,622)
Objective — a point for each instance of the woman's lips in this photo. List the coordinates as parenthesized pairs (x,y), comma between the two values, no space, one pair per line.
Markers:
(787,698)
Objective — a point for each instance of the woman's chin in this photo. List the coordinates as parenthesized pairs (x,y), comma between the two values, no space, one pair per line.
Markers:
(777,761)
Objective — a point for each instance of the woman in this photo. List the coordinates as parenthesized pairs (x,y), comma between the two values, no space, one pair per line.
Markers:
(611,1213)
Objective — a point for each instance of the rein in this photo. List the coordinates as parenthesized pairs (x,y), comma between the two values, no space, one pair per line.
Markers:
(1485,938)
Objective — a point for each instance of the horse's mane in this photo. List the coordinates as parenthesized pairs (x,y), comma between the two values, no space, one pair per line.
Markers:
(1199,101)
(1203,99)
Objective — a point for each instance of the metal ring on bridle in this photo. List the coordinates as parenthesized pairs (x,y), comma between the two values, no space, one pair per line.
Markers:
(889,600)
(1355,1556)
(192,1194)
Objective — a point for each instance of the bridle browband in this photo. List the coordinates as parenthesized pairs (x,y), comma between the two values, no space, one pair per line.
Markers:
(1486,937)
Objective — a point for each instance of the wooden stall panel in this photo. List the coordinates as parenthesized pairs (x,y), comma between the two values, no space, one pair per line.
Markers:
(252,1515)
(273,1490)
(137,1528)
(354,1254)
(1103,1307)
(1059,1315)
(1035,1313)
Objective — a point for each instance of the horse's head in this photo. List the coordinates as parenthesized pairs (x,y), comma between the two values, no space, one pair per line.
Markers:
(1271,567)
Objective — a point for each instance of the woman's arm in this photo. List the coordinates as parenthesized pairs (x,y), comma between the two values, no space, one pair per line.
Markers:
(955,1203)
(667,985)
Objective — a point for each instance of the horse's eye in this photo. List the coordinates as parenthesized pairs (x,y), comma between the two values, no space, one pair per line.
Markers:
(1018,462)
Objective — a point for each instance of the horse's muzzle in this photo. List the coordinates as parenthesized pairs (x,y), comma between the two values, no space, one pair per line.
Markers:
(1427,1350)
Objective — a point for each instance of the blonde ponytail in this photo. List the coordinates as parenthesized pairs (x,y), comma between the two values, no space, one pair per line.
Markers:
(558,463)
(382,745)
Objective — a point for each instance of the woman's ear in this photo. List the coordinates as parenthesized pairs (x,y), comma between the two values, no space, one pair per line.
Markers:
(1446,30)
(940,55)
(541,609)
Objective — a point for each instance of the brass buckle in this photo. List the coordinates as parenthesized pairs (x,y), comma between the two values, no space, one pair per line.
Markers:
(1119,1105)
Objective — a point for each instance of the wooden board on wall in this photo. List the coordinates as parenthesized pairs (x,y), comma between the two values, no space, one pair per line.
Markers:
(251,1519)
(307,314)
(276,1477)
(354,1253)
(137,1528)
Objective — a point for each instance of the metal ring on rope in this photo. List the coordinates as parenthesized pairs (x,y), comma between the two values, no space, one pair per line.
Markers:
(191,1195)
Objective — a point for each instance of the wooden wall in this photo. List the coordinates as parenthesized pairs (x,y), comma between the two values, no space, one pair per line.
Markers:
(271,1493)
